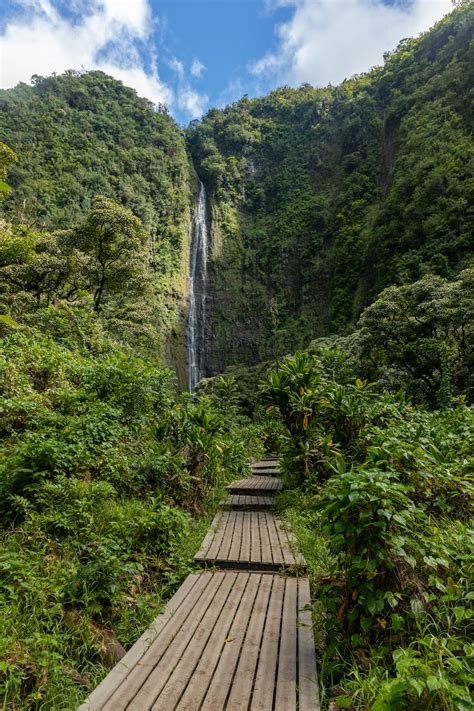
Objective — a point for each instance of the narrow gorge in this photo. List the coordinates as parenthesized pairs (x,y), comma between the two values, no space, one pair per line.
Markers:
(199,255)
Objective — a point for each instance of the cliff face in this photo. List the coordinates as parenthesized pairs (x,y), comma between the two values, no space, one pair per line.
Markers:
(82,134)
(322,197)
(318,198)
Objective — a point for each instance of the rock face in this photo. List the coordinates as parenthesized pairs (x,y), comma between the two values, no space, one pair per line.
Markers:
(197,349)
(321,198)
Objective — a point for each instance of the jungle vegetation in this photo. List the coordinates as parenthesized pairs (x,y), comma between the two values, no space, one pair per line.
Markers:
(342,280)
(323,197)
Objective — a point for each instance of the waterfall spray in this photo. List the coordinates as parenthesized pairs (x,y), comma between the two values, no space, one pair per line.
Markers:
(197,290)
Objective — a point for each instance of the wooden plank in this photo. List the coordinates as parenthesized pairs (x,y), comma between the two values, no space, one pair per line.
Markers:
(231,530)
(241,690)
(119,673)
(204,613)
(245,549)
(274,540)
(230,644)
(251,540)
(197,687)
(221,682)
(285,697)
(265,677)
(255,544)
(267,552)
(287,553)
(184,665)
(255,485)
(210,535)
(246,502)
(160,648)
(236,542)
(308,696)
(213,550)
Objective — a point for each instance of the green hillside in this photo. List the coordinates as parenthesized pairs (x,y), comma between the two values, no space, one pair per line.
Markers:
(339,333)
(323,197)
(82,134)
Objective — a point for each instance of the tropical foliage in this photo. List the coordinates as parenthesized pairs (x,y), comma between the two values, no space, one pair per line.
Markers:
(382,503)
(82,135)
(322,197)
(341,220)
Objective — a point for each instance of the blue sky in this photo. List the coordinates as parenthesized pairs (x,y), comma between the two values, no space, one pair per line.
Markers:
(194,54)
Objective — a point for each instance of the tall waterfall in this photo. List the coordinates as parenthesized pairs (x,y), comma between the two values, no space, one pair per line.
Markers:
(197,290)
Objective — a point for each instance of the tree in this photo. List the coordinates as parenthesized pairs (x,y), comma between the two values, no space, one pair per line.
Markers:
(423,332)
(112,242)
(7,156)
(32,263)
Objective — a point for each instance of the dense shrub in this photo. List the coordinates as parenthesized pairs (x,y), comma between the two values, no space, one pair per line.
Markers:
(105,472)
(382,511)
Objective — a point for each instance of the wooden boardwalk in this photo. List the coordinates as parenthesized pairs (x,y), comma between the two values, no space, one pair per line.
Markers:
(249,540)
(255,485)
(244,502)
(265,464)
(225,641)
(232,639)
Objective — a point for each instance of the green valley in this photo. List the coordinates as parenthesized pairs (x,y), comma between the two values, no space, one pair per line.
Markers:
(308,254)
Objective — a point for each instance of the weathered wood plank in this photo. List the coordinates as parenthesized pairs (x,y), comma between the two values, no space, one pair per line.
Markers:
(241,690)
(119,673)
(230,644)
(247,503)
(187,619)
(255,485)
(232,531)
(286,550)
(210,535)
(267,551)
(193,634)
(250,540)
(285,697)
(236,542)
(198,659)
(265,677)
(246,537)
(198,684)
(255,541)
(221,682)
(308,696)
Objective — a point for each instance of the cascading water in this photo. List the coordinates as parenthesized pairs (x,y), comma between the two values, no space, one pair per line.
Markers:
(197,290)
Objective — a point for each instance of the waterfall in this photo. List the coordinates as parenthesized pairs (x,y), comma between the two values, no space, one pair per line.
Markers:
(197,290)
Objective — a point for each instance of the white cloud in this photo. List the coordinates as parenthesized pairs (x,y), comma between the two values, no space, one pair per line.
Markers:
(105,34)
(191,101)
(329,40)
(234,91)
(197,68)
(177,67)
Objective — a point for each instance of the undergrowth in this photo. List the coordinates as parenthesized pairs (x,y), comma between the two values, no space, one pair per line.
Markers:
(108,481)
(380,499)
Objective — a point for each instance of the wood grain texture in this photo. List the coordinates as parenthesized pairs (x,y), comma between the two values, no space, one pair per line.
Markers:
(228,639)
(236,650)
(248,540)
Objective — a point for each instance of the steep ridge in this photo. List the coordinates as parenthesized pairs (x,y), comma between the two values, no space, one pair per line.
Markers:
(323,197)
(318,198)
(81,134)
